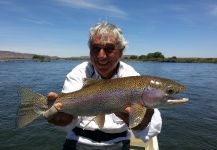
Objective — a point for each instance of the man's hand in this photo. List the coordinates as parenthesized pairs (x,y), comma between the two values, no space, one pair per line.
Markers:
(147,118)
(60,119)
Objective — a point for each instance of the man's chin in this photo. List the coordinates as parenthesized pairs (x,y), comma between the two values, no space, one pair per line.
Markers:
(102,66)
(102,71)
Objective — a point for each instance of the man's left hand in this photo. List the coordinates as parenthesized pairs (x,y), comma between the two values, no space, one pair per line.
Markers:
(147,118)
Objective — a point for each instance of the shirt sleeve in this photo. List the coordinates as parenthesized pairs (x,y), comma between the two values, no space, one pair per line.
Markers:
(74,79)
(72,82)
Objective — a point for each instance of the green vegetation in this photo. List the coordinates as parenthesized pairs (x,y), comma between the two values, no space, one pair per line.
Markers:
(159,57)
(133,57)
(191,60)
(153,57)
(41,58)
(76,58)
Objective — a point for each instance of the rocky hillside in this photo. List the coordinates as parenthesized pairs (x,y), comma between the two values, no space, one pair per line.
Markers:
(14,55)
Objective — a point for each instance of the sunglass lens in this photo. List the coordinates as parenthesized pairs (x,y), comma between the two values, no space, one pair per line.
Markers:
(109,48)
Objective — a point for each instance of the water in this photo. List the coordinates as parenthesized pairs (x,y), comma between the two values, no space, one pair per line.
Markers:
(187,127)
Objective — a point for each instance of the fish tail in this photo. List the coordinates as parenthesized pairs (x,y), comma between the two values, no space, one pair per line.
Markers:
(31,106)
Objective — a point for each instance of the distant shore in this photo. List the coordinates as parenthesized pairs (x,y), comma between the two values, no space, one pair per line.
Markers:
(14,56)
(177,60)
(168,60)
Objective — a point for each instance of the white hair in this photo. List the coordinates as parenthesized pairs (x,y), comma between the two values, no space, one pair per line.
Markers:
(104,29)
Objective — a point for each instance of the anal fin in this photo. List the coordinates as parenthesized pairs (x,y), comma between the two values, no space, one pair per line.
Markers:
(100,120)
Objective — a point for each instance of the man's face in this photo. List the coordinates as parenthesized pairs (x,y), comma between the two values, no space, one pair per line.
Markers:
(104,55)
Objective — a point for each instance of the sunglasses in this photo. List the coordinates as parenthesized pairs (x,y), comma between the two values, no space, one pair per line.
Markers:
(108,48)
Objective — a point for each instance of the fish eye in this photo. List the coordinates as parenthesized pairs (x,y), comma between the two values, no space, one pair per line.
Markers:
(170,91)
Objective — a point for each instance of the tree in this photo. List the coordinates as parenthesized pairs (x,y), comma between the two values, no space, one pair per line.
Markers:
(41,58)
(133,57)
(155,55)
(142,57)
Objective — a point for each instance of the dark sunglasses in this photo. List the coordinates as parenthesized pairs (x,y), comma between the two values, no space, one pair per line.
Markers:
(107,48)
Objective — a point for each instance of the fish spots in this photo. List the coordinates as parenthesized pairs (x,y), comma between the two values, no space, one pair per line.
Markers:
(155,82)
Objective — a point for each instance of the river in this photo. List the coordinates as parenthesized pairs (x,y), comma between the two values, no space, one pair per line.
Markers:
(192,126)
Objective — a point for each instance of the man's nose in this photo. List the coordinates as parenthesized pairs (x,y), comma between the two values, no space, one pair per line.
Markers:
(101,53)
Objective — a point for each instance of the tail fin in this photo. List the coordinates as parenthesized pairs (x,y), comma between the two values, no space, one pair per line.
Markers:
(32,105)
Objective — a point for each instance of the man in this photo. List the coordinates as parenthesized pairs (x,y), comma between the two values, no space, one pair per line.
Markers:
(106,43)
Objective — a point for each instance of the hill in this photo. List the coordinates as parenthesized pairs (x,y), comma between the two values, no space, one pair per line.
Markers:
(15,55)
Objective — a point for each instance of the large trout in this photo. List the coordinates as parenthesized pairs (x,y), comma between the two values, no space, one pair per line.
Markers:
(100,97)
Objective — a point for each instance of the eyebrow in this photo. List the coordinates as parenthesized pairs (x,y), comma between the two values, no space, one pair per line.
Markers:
(107,44)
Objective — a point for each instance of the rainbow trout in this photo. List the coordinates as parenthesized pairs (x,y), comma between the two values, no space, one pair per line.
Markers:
(100,97)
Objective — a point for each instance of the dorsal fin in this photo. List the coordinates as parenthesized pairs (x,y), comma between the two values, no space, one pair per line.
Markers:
(62,94)
(89,81)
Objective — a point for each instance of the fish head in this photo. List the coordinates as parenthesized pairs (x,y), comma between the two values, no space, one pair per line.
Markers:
(161,93)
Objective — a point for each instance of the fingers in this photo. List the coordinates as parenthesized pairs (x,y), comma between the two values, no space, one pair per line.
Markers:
(51,98)
(147,118)
(128,109)
(60,118)
(124,116)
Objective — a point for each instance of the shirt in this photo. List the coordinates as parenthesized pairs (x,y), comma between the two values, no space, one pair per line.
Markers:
(113,124)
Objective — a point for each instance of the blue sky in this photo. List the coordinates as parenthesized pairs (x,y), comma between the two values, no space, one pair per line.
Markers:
(182,28)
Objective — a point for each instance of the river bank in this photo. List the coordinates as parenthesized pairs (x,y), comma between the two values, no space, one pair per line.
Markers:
(13,56)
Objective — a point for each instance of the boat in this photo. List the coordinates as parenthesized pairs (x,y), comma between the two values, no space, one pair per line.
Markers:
(138,144)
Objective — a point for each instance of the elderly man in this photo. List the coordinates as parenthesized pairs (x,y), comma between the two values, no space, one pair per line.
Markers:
(106,43)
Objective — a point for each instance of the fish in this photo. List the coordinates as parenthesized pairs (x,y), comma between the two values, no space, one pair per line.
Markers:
(100,97)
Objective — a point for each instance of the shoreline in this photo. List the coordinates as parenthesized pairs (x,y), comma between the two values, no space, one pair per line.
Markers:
(164,60)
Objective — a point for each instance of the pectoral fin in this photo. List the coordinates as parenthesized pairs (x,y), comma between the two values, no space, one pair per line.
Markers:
(100,120)
(136,115)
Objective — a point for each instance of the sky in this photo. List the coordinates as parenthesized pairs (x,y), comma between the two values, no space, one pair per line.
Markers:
(181,28)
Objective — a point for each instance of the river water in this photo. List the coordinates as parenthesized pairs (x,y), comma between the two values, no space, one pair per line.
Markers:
(192,126)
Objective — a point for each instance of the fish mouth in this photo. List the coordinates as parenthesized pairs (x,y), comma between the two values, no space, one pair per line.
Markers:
(177,101)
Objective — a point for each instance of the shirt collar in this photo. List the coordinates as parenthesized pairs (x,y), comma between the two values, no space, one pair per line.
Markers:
(116,75)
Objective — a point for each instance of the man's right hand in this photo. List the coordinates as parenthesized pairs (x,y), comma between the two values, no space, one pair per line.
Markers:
(60,119)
